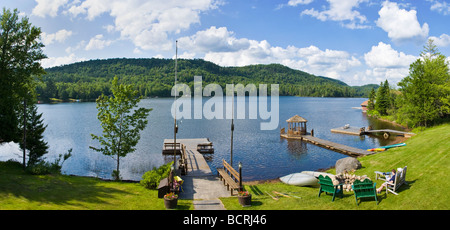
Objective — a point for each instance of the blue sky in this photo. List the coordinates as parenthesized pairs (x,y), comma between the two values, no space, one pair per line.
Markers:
(355,41)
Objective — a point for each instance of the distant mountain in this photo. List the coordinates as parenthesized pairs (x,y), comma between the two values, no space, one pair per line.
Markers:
(155,77)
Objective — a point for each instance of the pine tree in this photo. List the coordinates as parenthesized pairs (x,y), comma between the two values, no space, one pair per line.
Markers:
(425,92)
(383,98)
(372,98)
(35,128)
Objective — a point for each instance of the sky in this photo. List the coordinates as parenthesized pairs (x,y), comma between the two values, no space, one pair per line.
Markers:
(356,41)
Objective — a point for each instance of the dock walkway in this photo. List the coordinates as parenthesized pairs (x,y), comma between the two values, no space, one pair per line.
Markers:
(347,150)
(200,184)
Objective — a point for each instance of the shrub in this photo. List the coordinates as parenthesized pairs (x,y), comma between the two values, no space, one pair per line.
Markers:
(42,167)
(151,178)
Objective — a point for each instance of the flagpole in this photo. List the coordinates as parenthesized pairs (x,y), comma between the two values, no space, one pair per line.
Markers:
(232,128)
(175,128)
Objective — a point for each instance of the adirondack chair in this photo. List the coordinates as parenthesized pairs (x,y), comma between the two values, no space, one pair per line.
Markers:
(327,186)
(399,181)
(363,189)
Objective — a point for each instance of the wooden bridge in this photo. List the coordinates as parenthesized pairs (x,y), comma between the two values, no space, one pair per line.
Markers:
(389,131)
(363,131)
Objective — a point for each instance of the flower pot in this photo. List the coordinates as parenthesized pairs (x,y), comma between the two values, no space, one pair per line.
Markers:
(170,203)
(245,201)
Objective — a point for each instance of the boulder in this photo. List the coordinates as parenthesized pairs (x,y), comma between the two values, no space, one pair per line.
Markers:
(347,164)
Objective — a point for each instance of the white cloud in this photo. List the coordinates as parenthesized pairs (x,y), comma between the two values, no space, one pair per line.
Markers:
(299,2)
(400,24)
(57,61)
(342,11)
(220,46)
(48,7)
(387,63)
(384,56)
(146,23)
(441,41)
(97,43)
(213,40)
(59,36)
(441,7)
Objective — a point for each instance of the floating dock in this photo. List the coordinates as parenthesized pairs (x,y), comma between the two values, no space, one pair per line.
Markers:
(349,130)
(347,150)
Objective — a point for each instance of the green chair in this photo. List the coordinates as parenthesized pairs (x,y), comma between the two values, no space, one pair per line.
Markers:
(327,186)
(363,189)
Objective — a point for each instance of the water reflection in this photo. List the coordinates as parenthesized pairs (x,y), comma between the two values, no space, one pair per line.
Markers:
(296,148)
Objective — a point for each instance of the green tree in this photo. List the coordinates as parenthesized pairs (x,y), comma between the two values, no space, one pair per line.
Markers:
(425,91)
(372,98)
(20,55)
(35,128)
(121,122)
(382,103)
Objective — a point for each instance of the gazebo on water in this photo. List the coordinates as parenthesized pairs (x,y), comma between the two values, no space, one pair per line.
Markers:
(296,126)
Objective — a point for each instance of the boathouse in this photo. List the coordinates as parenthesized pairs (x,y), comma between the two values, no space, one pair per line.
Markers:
(364,106)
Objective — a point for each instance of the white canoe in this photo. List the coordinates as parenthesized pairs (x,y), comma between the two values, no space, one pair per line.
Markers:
(299,179)
(317,174)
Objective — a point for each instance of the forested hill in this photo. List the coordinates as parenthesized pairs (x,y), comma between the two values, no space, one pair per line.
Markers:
(155,77)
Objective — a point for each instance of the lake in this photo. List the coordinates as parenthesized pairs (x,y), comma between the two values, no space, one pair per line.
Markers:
(264,155)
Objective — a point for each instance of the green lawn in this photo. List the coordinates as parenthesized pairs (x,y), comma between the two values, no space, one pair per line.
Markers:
(426,156)
(19,190)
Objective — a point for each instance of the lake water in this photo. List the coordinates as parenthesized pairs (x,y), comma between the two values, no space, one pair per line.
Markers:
(264,155)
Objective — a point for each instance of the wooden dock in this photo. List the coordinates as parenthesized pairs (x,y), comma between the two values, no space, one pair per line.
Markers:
(187,148)
(363,131)
(347,150)
(349,130)
(200,184)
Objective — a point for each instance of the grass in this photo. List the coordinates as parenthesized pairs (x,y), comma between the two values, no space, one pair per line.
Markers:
(21,191)
(426,156)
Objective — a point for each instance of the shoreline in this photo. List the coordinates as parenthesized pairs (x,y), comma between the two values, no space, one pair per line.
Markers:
(389,121)
(397,140)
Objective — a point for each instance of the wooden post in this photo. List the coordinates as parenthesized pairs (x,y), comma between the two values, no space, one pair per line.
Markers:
(240,176)
(24,131)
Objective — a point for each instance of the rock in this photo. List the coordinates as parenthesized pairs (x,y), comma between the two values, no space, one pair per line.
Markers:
(347,164)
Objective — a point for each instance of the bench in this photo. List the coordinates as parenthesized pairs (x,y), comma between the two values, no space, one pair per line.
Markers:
(231,178)
(364,189)
(327,186)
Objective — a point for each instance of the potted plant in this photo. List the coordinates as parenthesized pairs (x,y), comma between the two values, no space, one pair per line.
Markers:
(170,200)
(245,198)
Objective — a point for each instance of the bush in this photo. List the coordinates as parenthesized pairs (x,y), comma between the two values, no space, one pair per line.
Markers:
(42,167)
(151,178)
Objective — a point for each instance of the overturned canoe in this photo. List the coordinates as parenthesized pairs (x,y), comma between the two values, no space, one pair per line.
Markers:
(317,174)
(299,179)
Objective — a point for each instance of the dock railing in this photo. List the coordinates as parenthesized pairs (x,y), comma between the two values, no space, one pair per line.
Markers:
(180,149)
